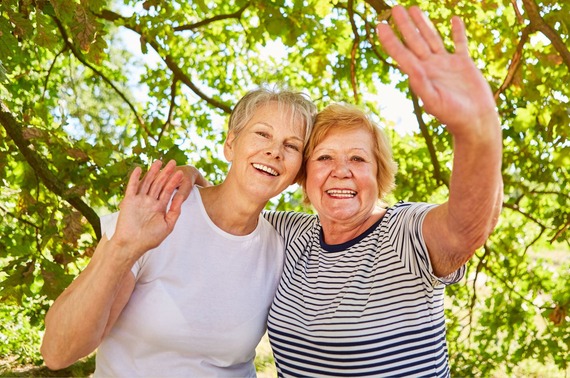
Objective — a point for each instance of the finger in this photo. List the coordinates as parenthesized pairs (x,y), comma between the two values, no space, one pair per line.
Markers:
(395,48)
(176,204)
(169,189)
(158,184)
(459,36)
(181,195)
(172,216)
(410,33)
(188,181)
(427,30)
(133,183)
(149,177)
(170,186)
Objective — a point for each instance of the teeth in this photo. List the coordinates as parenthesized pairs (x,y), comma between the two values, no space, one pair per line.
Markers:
(265,168)
(344,193)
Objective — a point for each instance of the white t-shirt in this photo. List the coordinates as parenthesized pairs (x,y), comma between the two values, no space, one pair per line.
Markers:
(200,303)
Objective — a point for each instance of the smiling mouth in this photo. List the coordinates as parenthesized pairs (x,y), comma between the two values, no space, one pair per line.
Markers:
(266,169)
(341,193)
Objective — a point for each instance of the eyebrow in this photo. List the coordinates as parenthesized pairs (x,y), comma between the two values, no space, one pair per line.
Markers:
(349,150)
(272,127)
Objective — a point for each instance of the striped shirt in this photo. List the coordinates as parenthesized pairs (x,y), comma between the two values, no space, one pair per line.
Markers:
(368,307)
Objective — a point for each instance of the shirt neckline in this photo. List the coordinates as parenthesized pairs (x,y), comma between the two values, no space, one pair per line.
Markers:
(343,246)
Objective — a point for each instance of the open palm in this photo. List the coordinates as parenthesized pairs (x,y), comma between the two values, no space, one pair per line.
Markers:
(450,86)
(145,219)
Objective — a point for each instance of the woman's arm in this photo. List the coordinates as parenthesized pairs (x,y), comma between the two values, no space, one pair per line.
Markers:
(87,310)
(456,93)
(84,313)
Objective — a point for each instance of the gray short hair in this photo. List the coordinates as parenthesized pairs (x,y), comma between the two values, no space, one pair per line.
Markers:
(300,105)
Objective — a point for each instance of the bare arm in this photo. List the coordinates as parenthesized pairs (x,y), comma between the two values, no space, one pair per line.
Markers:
(456,93)
(87,310)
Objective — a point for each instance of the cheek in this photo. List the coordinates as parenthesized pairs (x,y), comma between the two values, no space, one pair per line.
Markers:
(371,182)
(295,164)
(316,175)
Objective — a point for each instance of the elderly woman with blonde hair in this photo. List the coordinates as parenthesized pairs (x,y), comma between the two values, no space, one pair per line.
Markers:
(362,287)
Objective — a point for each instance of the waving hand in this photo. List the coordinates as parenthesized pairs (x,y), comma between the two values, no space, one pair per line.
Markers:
(449,84)
(145,219)
(455,92)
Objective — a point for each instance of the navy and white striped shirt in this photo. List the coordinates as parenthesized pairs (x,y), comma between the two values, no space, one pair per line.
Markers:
(370,306)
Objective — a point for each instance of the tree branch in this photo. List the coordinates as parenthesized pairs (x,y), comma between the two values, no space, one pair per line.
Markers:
(429,141)
(170,109)
(560,232)
(518,13)
(20,219)
(379,6)
(536,20)
(49,179)
(480,266)
(371,32)
(212,19)
(547,192)
(170,63)
(80,57)
(355,44)
(528,216)
(51,67)
(181,76)
(515,62)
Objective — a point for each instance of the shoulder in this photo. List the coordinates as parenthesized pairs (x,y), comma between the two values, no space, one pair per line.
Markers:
(290,224)
(289,218)
(403,210)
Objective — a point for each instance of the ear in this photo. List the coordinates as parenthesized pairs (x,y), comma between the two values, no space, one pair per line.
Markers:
(229,146)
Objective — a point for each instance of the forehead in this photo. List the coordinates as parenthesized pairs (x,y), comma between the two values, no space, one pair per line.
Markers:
(278,116)
(352,138)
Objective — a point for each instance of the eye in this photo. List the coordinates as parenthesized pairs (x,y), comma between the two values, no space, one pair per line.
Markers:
(293,147)
(324,158)
(262,134)
(357,158)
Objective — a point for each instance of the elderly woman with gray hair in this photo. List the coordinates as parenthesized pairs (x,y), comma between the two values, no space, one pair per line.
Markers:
(184,289)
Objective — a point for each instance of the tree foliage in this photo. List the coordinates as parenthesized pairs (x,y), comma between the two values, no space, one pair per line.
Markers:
(91,88)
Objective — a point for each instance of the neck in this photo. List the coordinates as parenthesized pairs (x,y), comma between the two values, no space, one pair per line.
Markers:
(243,216)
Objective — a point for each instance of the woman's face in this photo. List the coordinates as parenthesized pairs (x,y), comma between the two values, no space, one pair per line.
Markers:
(267,153)
(341,176)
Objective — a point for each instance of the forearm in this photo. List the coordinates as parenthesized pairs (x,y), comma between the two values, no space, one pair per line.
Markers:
(476,185)
(76,323)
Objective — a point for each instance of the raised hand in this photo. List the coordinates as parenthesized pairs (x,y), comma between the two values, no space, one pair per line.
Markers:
(145,219)
(450,86)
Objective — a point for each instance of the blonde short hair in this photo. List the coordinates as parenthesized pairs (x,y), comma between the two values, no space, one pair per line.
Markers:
(299,104)
(347,117)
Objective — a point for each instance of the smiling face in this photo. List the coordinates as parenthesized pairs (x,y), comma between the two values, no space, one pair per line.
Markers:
(341,175)
(267,153)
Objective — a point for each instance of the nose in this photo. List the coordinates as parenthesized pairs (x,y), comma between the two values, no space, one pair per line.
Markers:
(341,169)
(274,150)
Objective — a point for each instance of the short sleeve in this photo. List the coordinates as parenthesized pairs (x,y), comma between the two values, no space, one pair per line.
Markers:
(405,232)
(108,226)
(290,225)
